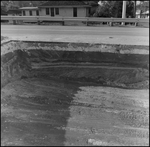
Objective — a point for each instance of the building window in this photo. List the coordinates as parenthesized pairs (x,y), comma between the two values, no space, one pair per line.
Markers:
(37,12)
(74,12)
(47,11)
(57,11)
(24,13)
(89,10)
(30,13)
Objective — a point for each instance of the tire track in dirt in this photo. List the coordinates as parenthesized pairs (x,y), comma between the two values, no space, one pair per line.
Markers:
(114,124)
(97,115)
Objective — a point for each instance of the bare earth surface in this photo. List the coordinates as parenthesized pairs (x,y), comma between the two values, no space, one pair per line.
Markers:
(59,104)
(51,112)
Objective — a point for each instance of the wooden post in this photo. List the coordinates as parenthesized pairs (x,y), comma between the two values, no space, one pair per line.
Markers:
(21,22)
(38,21)
(14,22)
(87,22)
(111,23)
(136,23)
(63,22)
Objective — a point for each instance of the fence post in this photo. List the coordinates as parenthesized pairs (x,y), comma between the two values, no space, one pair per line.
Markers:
(111,23)
(21,22)
(14,22)
(87,22)
(136,23)
(38,21)
(63,22)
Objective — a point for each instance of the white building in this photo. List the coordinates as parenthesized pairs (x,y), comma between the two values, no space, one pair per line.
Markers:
(145,14)
(140,14)
(29,11)
(58,9)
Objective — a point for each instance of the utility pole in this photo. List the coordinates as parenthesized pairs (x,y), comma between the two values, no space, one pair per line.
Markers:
(135,8)
(124,11)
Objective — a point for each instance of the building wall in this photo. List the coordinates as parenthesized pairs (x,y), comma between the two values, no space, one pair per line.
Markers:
(81,12)
(42,12)
(65,12)
(28,14)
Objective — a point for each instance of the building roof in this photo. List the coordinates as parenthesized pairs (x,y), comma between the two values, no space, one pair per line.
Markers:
(92,3)
(28,8)
(14,11)
(14,6)
(64,3)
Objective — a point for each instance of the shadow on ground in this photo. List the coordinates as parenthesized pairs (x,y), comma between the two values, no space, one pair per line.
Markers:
(34,111)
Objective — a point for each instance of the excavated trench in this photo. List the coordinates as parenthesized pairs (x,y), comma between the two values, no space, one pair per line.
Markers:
(74,94)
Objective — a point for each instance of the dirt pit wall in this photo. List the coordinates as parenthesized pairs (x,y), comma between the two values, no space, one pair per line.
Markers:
(100,64)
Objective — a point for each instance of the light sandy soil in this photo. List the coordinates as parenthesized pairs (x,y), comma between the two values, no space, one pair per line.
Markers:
(51,112)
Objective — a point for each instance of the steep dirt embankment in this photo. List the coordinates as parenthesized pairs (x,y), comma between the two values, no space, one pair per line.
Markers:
(14,65)
(102,66)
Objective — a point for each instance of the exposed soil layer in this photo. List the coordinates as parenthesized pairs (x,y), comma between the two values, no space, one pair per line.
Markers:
(74,97)
(117,67)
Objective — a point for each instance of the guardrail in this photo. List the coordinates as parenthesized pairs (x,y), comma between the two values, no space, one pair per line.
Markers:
(39,19)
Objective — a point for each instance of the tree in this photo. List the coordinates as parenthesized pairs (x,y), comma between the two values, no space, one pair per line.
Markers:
(144,6)
(22,3)
(114,9)
(130,11)
(135,8)
(104,10)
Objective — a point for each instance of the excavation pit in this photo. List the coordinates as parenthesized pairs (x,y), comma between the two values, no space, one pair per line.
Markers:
(70,93)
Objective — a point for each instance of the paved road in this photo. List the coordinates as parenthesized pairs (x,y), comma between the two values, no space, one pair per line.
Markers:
(111,35)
